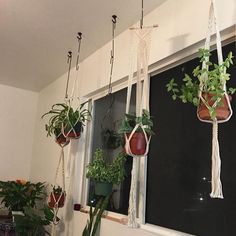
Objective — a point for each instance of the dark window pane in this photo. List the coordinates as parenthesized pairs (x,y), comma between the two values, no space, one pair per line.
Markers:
(179,163)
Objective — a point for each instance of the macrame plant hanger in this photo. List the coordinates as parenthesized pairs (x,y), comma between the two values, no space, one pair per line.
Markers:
(71,129)
(61,163)
(142,45)
(216,186)
(107,119)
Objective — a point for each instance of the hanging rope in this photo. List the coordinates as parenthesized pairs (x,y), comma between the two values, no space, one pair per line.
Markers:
(216,186)
(141,42)
(114,20)
(69,60)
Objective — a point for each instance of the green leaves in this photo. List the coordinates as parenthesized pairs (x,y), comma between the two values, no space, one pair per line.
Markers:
(212,78)
(101,171)
(16,196)
(64,116)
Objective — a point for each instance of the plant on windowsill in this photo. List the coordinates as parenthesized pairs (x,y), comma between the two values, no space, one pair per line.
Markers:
(57,196)
(211,80)
(66,122)
(18,194)
(137,143)
(104,174)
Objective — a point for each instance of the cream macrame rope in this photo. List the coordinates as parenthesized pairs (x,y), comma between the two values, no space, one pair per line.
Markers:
(143,37)
(61,164)
(216,186)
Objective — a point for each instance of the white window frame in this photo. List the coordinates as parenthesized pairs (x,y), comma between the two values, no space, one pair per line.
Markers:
(228,35)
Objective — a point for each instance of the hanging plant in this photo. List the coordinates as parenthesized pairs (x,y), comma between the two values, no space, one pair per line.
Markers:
(66,122)
(57,197)
(212,80)
(104,174)
(137,143)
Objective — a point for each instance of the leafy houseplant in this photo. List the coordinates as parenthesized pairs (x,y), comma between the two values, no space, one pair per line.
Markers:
(66,121)
(104,174)
(57,196)
(137,142)
(211,80)
(33,221)
(19,194)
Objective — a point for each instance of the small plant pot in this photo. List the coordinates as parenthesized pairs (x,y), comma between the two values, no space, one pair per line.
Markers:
(54,199)
(103,189)
(137,144)
(222,110)
(62,140)
(75,132)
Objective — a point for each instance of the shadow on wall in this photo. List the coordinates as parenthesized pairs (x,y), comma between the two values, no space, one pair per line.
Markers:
(178,42)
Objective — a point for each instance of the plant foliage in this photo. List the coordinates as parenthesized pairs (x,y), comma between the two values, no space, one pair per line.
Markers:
(100,170)
(213,78)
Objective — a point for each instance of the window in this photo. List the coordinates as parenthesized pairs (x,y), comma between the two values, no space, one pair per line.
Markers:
(108,113)
(179,163)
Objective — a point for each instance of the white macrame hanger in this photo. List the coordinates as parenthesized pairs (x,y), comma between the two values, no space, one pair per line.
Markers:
(61,164)
(76,87)
(216,185)
(143,38)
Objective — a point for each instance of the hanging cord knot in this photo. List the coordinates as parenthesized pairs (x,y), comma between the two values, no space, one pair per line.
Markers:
(79,37)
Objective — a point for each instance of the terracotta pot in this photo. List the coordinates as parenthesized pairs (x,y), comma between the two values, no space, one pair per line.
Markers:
(103,189)
(74,134)
(53,201)
(222,111)
(62,140)
(137,144)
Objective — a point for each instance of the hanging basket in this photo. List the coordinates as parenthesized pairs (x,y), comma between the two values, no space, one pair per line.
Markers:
(222,110)
(103,189)
(61,139)
(137,145)
(58,198)
(74,132)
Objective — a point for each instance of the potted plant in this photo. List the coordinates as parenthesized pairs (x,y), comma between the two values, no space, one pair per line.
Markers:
(106,174)
(111,139)
(57,196)
(138,142)
(66,121)
(210,82)
(18,194)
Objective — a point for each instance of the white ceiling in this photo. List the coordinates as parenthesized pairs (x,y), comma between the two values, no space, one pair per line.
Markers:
(35,35)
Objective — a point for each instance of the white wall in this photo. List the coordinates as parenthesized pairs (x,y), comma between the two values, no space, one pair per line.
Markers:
(17,123)
(181,24)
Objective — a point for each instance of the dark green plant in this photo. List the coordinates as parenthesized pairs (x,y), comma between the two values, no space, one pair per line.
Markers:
(18,194)
(130,121)
(33,221)
(99,170)
(95,216)
(111,139)
(213,79)
(57,189)
(62,115)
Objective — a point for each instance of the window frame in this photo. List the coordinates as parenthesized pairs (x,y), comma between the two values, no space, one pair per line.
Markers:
(228,35)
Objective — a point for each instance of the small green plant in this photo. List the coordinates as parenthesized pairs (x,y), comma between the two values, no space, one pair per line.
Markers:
(99,170)
(213,78)
(34,221)
(64,116)
(95,216)
(19,194)
(130,121)
(57,189)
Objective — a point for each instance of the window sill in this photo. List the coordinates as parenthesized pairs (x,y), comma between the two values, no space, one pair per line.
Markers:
(115,217)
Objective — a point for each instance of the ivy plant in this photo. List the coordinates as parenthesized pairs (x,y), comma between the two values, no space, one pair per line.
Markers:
(212,78)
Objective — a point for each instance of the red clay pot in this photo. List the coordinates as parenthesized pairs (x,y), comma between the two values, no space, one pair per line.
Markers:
(74,134)
(53,201)
(137,144)
(62,140)
(222,111)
